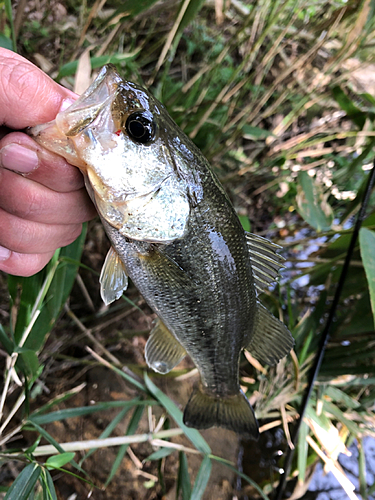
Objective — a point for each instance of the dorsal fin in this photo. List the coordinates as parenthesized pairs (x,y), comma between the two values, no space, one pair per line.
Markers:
(265,262)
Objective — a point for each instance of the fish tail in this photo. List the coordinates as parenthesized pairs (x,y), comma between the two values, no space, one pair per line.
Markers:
(233,412)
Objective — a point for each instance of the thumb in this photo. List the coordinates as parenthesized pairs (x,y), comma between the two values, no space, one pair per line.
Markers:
(27,95)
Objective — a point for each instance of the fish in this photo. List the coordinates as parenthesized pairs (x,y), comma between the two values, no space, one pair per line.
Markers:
(175,233)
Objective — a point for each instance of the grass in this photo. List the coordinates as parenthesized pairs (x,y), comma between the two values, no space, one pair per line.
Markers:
(267,92)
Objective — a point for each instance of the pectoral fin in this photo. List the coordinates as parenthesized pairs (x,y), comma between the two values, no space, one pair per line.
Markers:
(271,340)
(113,279)
(163,351)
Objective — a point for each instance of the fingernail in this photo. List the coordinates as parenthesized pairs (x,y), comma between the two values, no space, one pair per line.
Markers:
(4,253)
(66,104)
(18,158)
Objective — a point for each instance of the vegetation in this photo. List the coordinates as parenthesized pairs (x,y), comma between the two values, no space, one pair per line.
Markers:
(272,92)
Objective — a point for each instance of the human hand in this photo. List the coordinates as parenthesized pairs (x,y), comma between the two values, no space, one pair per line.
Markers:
(43,201)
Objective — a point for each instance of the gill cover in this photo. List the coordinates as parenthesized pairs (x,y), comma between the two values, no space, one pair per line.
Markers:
(112,133)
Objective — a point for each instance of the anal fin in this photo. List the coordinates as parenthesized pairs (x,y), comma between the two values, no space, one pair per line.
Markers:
(163,351)
(271,340)
(113,279)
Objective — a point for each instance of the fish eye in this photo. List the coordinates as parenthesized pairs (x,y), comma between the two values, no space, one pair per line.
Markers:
(140,127)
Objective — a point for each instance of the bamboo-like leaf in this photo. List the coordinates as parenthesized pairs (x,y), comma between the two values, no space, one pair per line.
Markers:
(107,431)
(202,479)
(194,436)
(132,427)
(57,280)
(48,486)
(24,483)
(161,453)
(56,461)
(302,451)
(86,410)
(367,245)
(183,478)
(70,68)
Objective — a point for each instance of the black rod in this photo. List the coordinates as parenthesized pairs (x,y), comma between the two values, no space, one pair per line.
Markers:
(325,335)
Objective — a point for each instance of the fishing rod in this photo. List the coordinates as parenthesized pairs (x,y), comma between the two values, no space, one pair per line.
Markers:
(325,335)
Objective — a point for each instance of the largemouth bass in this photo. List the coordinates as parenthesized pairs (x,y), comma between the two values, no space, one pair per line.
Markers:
(175,233)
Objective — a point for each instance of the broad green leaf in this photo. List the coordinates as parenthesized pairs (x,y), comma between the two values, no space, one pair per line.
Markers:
(245,222)
(24,483)
(161,453)
(312,203)
(57,461)
(6,42)
(130,8)
(8,344)
(52,441)
(30,361)
(183,478)
(367,245)
(132,427)
(194,436)
(202,479)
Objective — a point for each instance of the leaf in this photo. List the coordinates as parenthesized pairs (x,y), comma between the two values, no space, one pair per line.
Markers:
(85,410)
(161,453)
(255,133)
(302,451)
(132,427)
(96,62)
(192,434)
(352,111)
(8,344)
(30,360)
(57,461)
(183,478)
(24,483)
(202,479)
(49,486)
(5,42)
(312,203)
(245,222)
(56,293)
(367,246)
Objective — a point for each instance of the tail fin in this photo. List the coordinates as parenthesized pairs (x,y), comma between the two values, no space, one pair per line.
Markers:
(234,413)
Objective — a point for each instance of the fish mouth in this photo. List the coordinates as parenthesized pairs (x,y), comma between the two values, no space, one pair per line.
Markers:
(94,104)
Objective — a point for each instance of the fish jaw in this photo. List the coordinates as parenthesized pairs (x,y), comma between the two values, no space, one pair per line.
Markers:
(135,187)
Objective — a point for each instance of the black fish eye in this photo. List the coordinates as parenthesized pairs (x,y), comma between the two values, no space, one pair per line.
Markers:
(140,127)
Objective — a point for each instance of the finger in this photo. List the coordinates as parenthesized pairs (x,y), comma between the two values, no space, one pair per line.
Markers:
(31,201)
(24,236)
(20,264)
(20,153)
(27,95)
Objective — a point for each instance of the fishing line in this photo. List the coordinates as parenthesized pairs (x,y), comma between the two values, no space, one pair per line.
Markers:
(325,335)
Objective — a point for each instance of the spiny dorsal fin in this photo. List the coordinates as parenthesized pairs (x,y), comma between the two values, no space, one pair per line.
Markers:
(271,340)
(113,279)
(163,351)
(265,262)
